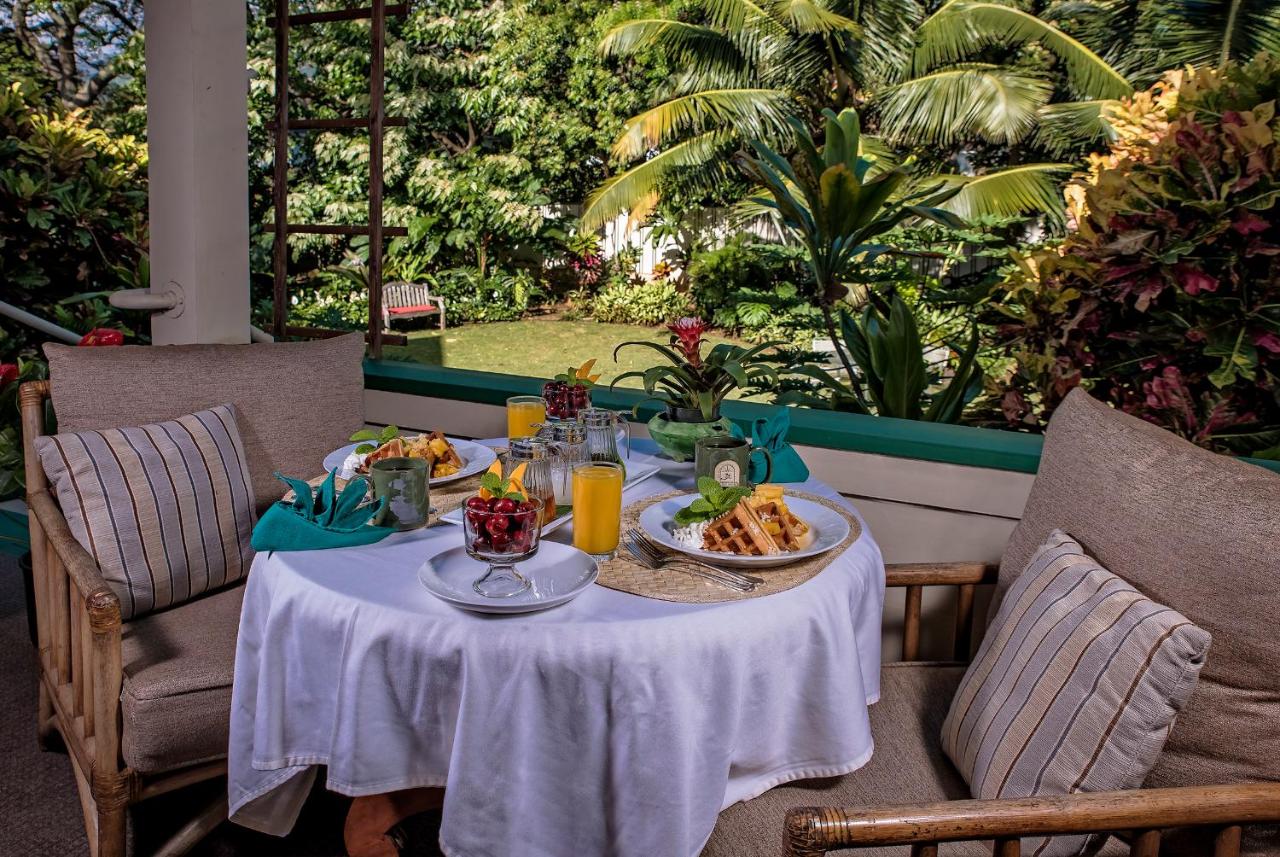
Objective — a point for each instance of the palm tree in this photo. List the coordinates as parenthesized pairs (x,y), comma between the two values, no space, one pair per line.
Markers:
(1142,38)
(743,66)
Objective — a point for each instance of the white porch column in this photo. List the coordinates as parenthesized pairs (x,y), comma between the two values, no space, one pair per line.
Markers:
(197,101)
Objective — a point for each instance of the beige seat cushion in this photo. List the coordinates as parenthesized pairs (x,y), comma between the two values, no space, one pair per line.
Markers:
(1196,531)
(295,401)
(176,700)
(908,766)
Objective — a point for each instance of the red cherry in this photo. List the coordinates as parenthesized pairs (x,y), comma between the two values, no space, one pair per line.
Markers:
(497,525)
(500,541)
(477,504)
(476,519)
(522,540)
(505,506)
(493,501)
(478,540)
(526,506)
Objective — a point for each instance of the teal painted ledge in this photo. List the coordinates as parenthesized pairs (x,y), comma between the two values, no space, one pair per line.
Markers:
(948,444)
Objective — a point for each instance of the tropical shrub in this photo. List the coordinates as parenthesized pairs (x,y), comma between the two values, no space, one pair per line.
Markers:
(898,374)
(624,302)
(1165,301)
(756,290)
(497,296)
(73,227)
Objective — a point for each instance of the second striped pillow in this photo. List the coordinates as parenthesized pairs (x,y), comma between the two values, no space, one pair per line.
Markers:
(1074,688)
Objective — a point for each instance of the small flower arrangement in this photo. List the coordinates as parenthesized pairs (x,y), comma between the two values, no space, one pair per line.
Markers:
(694,384)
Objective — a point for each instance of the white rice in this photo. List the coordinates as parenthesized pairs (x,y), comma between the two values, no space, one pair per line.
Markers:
(691,536)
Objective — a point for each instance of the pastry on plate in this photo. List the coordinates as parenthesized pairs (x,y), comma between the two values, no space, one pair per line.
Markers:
(739,532)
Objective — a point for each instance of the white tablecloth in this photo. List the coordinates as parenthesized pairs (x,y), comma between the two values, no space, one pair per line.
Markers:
(613,725)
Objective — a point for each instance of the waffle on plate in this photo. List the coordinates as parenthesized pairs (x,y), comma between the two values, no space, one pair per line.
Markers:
(434,447)
(759,525)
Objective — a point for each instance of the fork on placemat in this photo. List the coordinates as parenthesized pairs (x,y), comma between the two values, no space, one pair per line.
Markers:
(649,554)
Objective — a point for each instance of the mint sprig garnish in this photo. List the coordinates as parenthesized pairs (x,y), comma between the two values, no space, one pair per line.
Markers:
(500,488)
(716,500)
(378,438)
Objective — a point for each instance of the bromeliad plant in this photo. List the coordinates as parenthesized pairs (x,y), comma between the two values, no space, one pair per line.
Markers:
(836,202)
(894,377)
(696,382)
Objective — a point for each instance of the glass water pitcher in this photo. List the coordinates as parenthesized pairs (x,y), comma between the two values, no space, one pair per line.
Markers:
(536,452)
(568,443)
(602,434)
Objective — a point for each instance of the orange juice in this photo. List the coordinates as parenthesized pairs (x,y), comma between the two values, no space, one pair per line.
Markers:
(597,508)
(524,414)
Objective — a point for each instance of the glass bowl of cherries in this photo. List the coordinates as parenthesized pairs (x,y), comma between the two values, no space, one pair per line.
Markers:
(570,392)
(501,531)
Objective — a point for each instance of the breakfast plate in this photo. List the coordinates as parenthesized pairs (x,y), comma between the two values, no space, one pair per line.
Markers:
(827,529)
(557,573)
(476,458)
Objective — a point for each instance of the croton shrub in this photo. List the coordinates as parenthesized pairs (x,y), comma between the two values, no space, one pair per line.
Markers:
(1165,297)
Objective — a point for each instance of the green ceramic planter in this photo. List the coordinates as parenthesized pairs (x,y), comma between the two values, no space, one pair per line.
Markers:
(676,435)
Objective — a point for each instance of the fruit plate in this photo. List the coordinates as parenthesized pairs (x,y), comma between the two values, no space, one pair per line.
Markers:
(476,458)
(828,526)
(558,573)
(636,472)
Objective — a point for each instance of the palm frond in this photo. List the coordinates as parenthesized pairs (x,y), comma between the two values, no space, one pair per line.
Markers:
(675,39)
(1214,31)
(1068,125)
(885,50)
(750,112)
(962,27)
(1027,189)
(994,103)
(811,16)
(638,186)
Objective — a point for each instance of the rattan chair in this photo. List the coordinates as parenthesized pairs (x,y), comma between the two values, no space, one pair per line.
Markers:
(1192,530)
(143,706)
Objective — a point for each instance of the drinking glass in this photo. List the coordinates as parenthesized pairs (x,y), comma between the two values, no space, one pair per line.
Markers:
(405,483)
(502,538)
(525,414)
(597,508)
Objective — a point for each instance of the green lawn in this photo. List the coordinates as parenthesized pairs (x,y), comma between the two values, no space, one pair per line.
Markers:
(539,348)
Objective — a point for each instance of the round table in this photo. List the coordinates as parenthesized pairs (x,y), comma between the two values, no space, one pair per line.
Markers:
(612,725)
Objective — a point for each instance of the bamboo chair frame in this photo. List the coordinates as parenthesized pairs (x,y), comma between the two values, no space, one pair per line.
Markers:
(1139,814)
(80,674)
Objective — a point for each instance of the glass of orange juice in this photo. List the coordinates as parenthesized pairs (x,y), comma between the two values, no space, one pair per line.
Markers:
(597,508)
(524,415)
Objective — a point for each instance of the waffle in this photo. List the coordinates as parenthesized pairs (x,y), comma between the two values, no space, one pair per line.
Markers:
(789,527)
(393,448)
(739,532)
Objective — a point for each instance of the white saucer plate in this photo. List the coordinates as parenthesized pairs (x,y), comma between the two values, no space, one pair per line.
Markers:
(828,526)
(558,574)
(476,458)
(636,472)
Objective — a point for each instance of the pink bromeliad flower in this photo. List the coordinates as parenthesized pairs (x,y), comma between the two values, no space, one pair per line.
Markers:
(688,333)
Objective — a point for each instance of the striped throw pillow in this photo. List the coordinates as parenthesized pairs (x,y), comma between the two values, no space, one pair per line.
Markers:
(165,509)
(1074,688)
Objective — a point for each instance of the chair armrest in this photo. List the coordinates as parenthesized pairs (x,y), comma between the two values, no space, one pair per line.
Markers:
(81,568)
(914,576)
(813,831)
(939,573)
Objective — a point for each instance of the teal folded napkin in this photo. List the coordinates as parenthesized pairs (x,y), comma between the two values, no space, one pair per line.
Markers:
(320,519)
(771,433)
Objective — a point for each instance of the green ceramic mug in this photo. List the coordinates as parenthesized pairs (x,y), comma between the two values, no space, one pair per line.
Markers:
(405,483)
(727,460)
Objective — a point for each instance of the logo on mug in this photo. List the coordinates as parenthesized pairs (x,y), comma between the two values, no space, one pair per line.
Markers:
(727,473)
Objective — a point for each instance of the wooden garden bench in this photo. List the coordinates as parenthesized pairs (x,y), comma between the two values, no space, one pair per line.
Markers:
(409,300)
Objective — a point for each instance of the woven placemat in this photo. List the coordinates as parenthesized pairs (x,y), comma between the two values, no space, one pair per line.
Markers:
(671,584)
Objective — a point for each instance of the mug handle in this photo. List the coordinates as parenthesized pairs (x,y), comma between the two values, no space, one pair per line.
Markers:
(768,460)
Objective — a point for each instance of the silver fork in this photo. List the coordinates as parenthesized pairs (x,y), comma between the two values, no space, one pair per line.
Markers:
(665,557)
(648,560)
